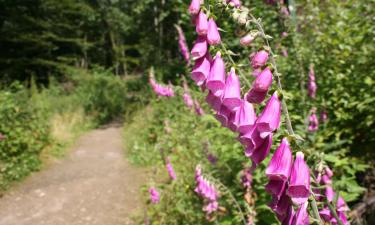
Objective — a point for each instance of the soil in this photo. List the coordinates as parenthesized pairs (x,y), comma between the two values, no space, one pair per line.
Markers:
(94,184)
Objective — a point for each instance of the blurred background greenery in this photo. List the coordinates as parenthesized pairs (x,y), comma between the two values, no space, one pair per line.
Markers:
(70,65)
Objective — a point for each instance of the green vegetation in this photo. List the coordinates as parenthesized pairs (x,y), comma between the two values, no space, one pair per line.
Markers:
(40,123)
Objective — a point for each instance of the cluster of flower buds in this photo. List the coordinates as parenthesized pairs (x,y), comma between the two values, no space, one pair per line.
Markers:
(341,206)
(170,170)
(207,191)
(161,90)
(311,86)
(313,121)
(288,183)
(154,195)
(183,45)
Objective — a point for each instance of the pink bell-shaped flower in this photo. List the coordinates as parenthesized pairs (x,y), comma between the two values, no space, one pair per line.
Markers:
(183,45)
(213,101)
(280,205)
(201,23)
(216,79)
(232,91)
(254,96)
(313,122)
(251,139)
(281,163)
(201,70)
(213,35)
(299,183)
(245,118)
(276,187)
(200,48)
(302,216)
(259,59)
(223,115)
(194,7)
(287,219)
(260,153)
(269,119)
(263,81)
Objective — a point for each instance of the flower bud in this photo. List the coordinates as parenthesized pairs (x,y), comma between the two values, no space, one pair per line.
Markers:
(247,39)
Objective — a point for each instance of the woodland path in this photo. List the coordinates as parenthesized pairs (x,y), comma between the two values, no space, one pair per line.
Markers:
(93,185)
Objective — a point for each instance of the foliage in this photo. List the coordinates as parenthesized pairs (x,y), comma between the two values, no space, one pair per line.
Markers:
(40,123)
(186,137)
(26,131)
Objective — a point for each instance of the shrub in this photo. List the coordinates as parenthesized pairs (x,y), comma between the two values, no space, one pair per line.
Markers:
(26,130)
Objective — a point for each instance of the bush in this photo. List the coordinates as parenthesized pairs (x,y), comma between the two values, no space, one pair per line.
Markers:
(26,130)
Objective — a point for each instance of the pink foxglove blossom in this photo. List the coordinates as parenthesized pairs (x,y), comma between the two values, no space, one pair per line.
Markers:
(232,91)
(299,183)
(213,35)
(200,48)
(201,70)
(216,79)
(183,45)
(281,163)
(245,117)
(269,119)
(313,122)
(201,24)
(154,195)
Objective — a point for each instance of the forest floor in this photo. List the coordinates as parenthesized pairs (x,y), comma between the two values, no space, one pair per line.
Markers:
(94,184)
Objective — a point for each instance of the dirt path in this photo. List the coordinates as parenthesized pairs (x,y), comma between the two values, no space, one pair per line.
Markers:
(93,185)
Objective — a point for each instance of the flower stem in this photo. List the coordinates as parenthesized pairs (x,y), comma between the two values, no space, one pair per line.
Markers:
(284,105)
(277,75)
(233,199)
